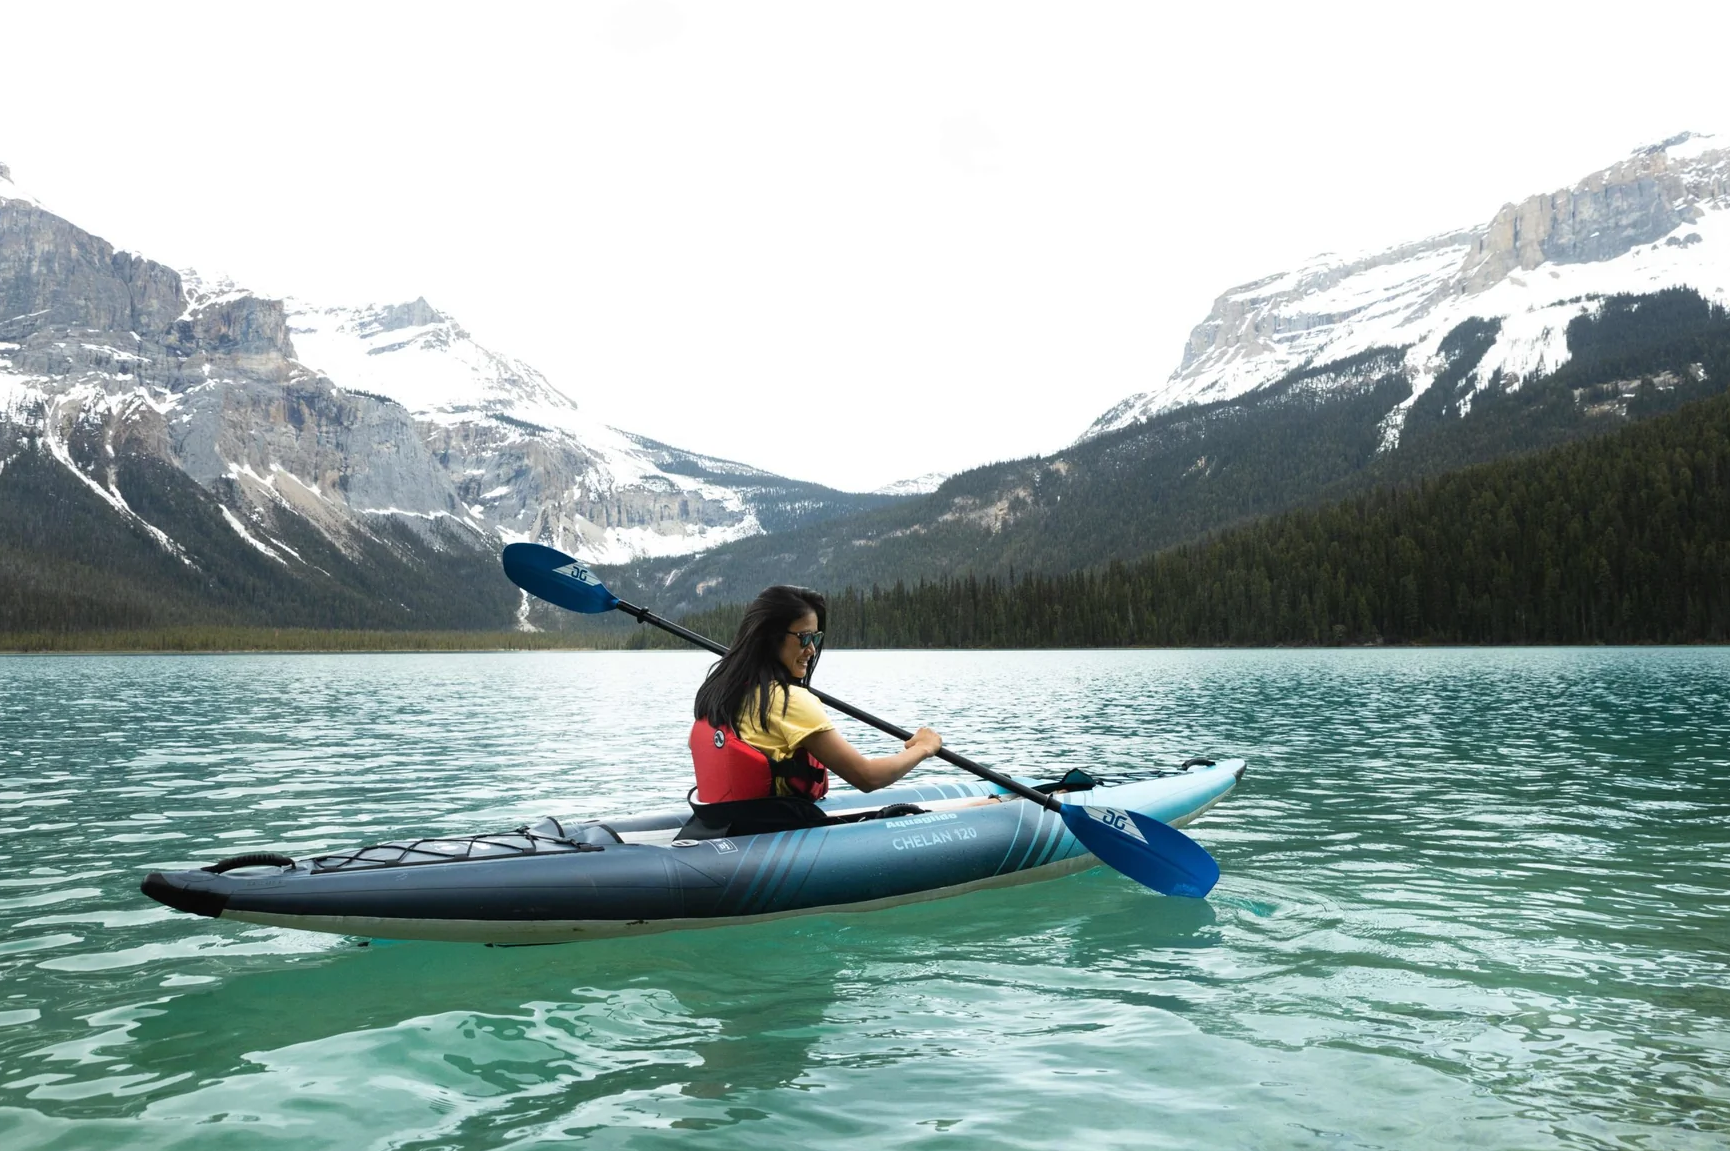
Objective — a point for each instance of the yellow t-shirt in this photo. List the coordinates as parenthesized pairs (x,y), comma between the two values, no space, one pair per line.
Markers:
(803,718)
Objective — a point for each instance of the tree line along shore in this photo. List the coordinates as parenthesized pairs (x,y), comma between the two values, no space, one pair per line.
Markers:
(1620,539)
(262,639)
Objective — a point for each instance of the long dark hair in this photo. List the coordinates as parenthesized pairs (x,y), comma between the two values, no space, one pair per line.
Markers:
(753,662)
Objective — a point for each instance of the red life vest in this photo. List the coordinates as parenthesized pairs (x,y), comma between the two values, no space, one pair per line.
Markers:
(728,769)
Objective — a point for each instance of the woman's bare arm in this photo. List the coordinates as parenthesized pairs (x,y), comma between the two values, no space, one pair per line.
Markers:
(832,750)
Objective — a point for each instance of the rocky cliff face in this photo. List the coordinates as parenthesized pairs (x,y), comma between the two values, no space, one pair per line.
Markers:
(524,457)
(1641,200)
(1656,219)
(55,275)
(344,420)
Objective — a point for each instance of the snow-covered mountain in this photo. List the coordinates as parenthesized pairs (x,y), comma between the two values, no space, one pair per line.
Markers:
(342,418)
(525,459)
(915,486)
(1659,218)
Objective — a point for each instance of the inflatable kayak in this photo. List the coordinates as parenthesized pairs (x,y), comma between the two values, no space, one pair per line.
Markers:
(554,882)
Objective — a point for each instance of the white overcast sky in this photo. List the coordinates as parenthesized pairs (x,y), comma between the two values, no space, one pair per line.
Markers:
(847,242)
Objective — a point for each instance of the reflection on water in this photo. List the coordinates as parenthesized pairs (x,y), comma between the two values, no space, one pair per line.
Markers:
(1467,895)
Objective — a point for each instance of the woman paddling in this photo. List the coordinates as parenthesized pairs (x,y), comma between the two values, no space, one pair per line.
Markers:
(762,745)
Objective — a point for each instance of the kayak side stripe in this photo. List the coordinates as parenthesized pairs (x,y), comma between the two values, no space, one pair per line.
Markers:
(1020,816)
(774,868)
(755,869)
(810,868)
(725,899)
(1059,830)
(1039,830)
(1043,855)
(1060,844)
(778,879)
(1027,841)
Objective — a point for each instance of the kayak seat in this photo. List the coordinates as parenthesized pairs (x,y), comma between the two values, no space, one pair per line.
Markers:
(741,817)
(781,813)
(1073,780)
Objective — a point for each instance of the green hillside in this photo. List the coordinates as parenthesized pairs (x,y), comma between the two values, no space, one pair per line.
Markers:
(1621,539)
(70,563)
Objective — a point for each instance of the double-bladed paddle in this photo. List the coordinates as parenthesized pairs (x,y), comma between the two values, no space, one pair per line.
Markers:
(1146,850)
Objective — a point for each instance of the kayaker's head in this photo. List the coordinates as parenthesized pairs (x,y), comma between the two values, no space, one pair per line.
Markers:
(778,641)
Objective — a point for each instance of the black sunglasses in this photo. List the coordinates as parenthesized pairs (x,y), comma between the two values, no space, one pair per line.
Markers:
(808,638)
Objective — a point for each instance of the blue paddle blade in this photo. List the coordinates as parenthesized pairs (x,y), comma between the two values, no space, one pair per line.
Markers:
(555,577)
(1144,849)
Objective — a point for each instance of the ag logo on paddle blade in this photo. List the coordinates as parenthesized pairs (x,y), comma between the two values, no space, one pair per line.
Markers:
(1117,819)
(579,573)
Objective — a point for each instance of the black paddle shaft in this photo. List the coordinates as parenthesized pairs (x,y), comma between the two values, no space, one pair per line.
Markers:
(644,615)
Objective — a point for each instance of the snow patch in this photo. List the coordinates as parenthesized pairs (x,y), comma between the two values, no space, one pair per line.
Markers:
(110,495)
(240,530)
(1693,145)
(917,486)
(405,512)
(1531,344)
(523,623)
(9,189)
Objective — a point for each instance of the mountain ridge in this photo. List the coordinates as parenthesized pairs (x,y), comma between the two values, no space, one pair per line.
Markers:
(139,387)
(76,313)
(242,468)
(1315,434)
(1651,220)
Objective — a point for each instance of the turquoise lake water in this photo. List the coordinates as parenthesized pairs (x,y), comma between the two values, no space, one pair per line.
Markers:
(1469,897)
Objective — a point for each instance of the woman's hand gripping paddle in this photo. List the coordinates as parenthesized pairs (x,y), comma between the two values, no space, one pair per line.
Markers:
(1146,850)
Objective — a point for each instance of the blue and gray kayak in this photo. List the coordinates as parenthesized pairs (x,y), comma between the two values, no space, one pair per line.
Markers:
(556,882)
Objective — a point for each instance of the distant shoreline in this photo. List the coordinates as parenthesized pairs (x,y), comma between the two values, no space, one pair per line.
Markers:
(313,641)
(243,641)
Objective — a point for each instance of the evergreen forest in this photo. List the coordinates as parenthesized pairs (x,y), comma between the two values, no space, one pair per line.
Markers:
(1623,539)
